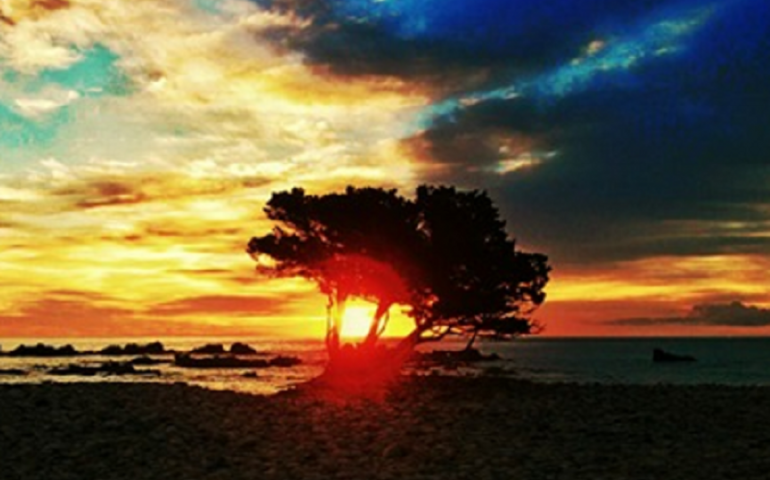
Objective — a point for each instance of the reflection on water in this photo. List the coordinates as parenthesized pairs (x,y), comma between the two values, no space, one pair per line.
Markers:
(731,361)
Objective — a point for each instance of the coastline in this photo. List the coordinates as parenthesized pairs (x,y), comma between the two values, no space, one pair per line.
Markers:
(423,427)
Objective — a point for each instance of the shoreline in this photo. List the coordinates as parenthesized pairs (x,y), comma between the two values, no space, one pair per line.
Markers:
(424,427)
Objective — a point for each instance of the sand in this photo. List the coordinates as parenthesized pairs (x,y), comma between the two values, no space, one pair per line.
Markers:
(440,428)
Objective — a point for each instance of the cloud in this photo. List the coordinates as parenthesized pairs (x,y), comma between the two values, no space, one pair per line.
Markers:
(64,313)
(100,191)
(229,305)
(157,102)
(648,158)
(72,313)
(734,314)
(442,43)
(622,138)
(600,61)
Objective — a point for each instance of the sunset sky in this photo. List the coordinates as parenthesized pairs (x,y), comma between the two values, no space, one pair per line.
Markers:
(139,141)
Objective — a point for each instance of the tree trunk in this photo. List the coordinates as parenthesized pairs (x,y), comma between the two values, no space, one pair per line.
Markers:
(335,310)
(374,329)
(368,364)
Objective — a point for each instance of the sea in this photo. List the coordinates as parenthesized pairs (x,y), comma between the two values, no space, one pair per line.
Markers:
(738,361)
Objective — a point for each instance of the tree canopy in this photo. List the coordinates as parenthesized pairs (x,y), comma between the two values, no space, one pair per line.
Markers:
(444,253)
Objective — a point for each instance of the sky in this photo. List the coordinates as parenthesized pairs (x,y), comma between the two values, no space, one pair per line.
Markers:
(139,141)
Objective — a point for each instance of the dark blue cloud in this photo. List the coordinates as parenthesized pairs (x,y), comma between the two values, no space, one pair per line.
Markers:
(650,157)
(649,118)
(496,24)
(427,37)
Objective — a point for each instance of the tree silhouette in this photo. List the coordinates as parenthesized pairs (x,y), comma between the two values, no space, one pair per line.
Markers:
(445,254)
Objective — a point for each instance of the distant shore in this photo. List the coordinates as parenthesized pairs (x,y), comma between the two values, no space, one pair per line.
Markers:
(484,428)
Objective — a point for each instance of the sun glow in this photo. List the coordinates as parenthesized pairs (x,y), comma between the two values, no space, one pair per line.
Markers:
(357,318)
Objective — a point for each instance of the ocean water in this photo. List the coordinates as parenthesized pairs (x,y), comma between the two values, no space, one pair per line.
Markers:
(726,361)
(722,360)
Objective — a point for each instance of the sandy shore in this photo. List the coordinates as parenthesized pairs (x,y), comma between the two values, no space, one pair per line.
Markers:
(439,428)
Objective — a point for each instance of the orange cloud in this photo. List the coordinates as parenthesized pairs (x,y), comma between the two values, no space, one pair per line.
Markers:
(586,300)
(226,305)
(71,313)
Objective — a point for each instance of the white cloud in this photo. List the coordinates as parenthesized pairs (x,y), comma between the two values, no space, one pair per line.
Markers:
(47,102)
(175,172)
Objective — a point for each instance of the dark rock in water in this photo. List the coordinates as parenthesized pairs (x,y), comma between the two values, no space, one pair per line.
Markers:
(210,349)
(282,361)
(145,360)
(188,361)
(239,348)
(659,355)
(112,350)
(12,372)
(154,348)
(227,361)
(108,368)
(42,350)
(469,355)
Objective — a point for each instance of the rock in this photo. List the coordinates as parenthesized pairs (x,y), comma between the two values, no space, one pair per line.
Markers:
(660,355)
(228,361)
(238,348)
(282,361)
(42,350)
(145,360)
(67,351)
(112,350)
(188,361)
(74,370)
(108,368)
(154,348)
(210,349)
(468,355)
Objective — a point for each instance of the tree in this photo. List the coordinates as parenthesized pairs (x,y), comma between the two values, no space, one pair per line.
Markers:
(445,254)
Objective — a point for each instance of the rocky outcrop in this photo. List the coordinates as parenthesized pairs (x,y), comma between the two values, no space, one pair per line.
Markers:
(468,355)
(42,350)
(662,356)
(239,348)
(154,348)
(222,361)
(144,360)
(209,349)
(106,369)
(218,361)
(283,361)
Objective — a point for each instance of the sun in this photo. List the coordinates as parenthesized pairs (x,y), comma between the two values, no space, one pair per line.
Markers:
(357,318)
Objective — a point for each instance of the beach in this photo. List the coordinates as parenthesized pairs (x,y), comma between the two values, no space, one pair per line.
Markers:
(421,428)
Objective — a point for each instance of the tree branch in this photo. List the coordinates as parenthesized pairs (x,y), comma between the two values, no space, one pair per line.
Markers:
(384,323)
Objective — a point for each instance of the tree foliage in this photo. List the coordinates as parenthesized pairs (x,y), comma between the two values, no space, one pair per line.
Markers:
(445,254)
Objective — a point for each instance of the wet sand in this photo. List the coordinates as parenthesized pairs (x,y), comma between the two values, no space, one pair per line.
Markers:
(440,428)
